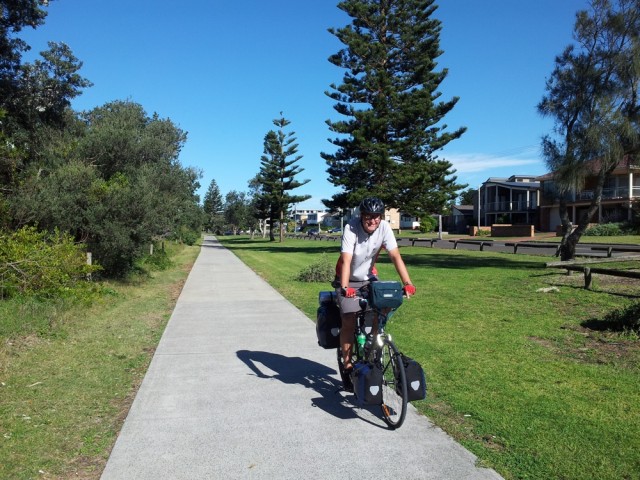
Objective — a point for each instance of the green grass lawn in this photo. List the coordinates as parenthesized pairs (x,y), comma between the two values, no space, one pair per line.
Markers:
(514,374)
(68,374)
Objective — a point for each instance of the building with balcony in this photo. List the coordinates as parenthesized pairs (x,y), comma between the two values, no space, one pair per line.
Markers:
(304,217)
(618,195)
(512,200)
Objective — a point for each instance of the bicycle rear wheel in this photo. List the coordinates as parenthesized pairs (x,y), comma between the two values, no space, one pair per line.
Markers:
(394,385)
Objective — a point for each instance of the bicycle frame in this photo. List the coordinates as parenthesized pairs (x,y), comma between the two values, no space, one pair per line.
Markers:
(376,347)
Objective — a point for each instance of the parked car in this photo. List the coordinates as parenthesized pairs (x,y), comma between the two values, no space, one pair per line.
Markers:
(313,232)
(335,230)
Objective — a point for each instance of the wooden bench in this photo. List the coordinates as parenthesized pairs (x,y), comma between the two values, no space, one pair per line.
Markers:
(584,266)
(610,249)
(481,243)
(430,240)
(515,246)
(588,271)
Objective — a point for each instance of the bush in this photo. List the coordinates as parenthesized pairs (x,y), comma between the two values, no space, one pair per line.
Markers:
(321,271)
(185,235)
(41,264)
(604,230)
(428,225)
(623,320)
(158,261)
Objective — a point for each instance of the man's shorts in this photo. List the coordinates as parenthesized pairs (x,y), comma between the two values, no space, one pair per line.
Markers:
(350,305)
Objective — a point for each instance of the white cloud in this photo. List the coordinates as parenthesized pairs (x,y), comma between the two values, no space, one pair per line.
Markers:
(479,162)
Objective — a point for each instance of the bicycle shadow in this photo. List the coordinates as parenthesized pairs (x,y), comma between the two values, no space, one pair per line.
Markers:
(310,374)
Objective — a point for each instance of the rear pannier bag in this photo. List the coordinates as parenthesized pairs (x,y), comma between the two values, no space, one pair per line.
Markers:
(367,383)
(416,382)
(385,294)
(328,321)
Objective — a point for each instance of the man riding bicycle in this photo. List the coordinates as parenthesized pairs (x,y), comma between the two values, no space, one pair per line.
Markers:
(362,240)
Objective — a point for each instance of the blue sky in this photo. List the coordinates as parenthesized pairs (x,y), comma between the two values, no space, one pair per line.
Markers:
(223,70)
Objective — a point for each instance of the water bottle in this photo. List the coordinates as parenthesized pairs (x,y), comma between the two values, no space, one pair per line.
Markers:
(361,338)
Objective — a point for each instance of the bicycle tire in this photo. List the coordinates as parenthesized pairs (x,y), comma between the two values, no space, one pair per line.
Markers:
(394,385)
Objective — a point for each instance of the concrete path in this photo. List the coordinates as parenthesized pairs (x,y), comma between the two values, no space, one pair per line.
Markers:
(238,388)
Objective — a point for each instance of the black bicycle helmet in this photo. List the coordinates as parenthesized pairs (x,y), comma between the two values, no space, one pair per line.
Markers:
(372,205)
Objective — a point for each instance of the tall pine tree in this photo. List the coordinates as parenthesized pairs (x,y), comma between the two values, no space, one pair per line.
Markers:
(393,128)
(212,207)
(278,173)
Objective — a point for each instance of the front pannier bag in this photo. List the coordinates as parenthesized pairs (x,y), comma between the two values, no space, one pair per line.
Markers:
(416,382)
(385,294)
(367,383)
(328,321)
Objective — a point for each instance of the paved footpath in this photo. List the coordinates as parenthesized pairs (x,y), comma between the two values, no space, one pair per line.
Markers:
(238,388)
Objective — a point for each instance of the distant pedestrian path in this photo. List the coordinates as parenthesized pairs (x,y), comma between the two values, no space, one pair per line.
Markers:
(238,388)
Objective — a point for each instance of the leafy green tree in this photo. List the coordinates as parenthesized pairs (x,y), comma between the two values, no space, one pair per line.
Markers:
(16,15)
(278,173)
(237,210)
(38,109)
(260,207)
(467,196)
(592,96)
(117,213)
(121,136)
(212,208)
(389,95)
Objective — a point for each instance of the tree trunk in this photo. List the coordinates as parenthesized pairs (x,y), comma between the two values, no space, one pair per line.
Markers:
(281,226)
(272,237)
(571,238)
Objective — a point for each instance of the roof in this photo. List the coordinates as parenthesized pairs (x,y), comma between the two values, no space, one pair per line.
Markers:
(505,183)
(463,208)
(625,165)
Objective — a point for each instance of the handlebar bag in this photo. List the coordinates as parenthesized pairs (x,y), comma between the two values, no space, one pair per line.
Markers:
(416,382)
(328,321)
(385,294)
(367,383)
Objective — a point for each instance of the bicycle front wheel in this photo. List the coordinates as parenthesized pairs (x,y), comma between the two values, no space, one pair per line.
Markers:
(394,385)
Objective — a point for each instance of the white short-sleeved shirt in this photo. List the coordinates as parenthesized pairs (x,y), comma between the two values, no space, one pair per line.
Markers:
(365,247)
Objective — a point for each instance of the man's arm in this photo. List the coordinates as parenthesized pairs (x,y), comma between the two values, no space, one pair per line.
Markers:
(345,274)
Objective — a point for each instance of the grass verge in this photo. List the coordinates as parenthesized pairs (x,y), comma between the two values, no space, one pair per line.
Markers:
(515,373)
(69,373)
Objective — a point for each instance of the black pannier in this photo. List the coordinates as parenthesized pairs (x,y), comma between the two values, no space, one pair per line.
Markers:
(367,383)
(416,382)
(328,321)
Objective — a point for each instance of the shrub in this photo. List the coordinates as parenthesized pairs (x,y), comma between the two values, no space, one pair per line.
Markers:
(41,264)
(158,261)
(321,271)
(185,235)
(428,224)
(604,230)
(623,320)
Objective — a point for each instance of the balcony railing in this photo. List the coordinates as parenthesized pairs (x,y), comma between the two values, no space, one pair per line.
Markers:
(609,193)
(506,206)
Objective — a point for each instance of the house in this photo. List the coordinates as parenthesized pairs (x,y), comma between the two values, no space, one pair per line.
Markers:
(618,194)
(461,218)
(308,217)
(512,200)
